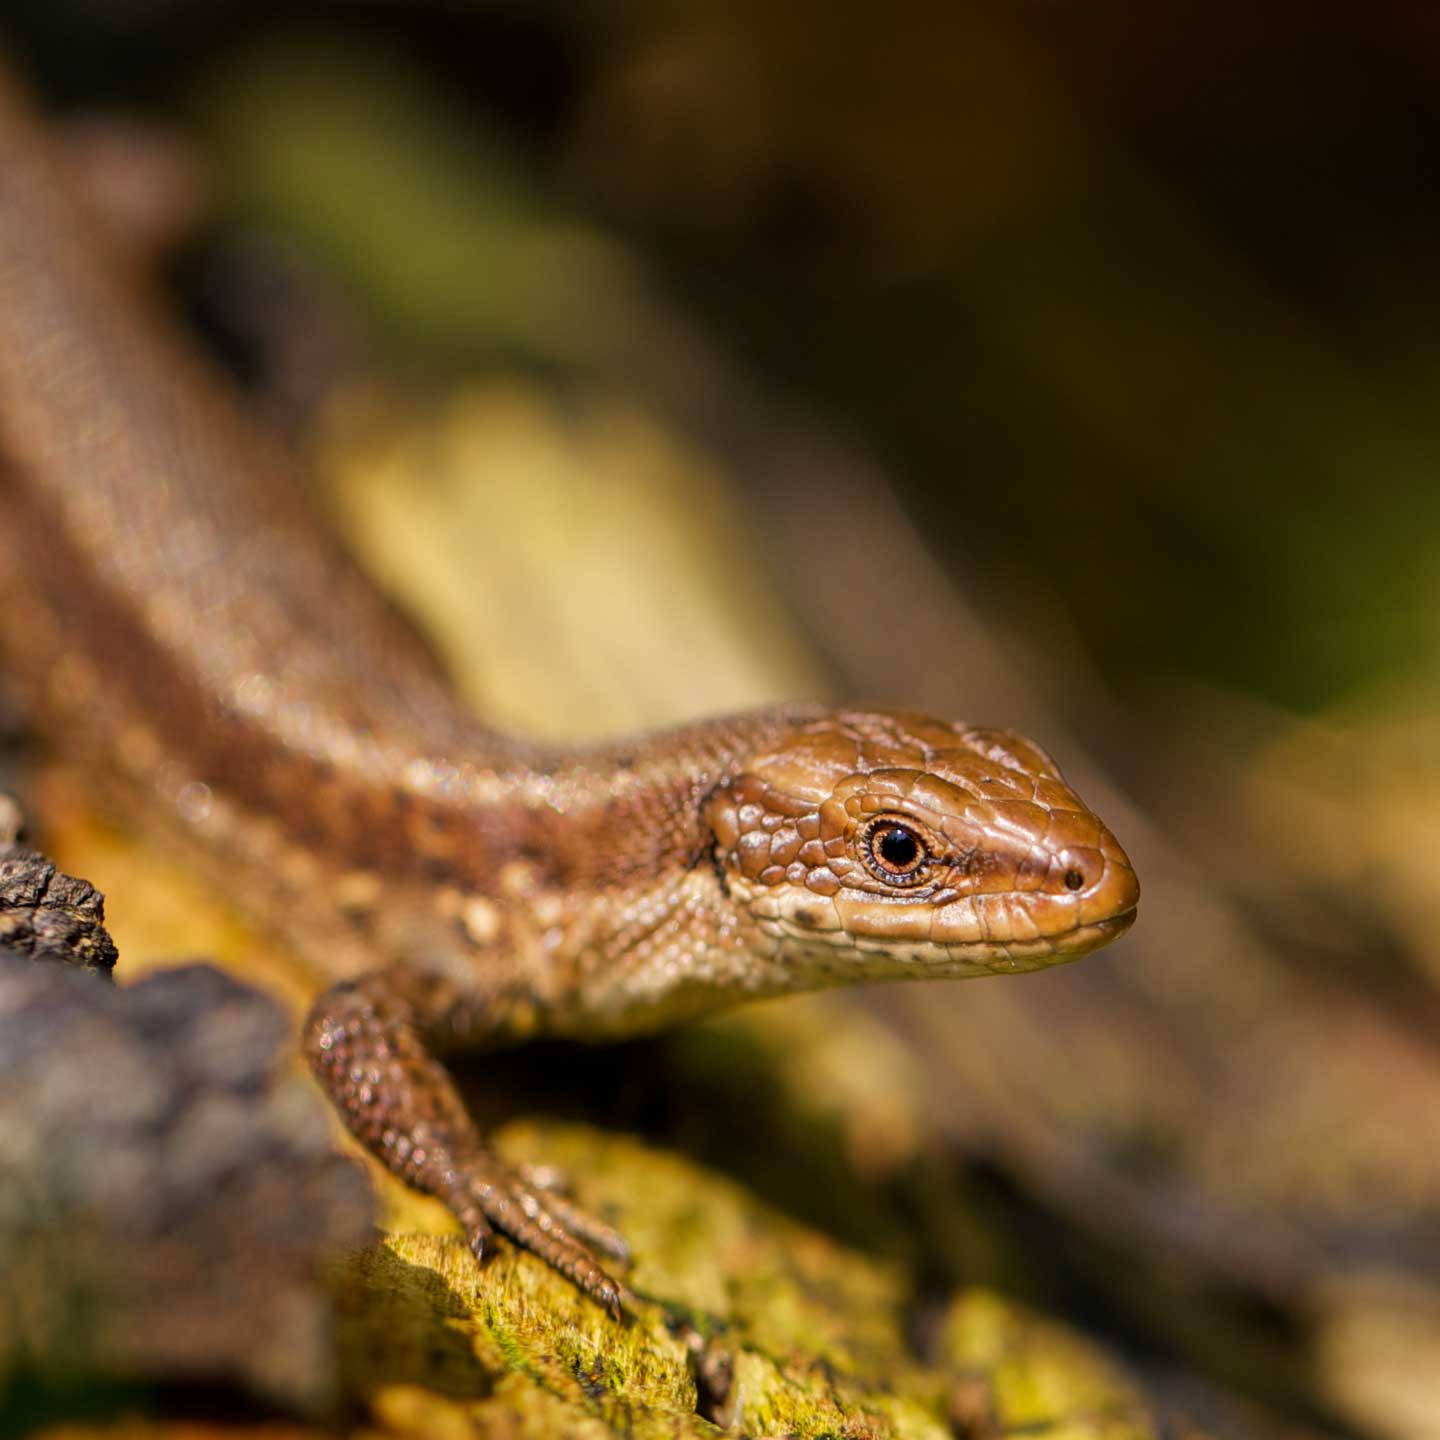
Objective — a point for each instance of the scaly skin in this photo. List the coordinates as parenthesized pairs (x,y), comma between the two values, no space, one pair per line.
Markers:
(177,622)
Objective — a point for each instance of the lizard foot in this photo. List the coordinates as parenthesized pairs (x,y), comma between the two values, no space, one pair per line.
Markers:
(369,1042)
(487,1196)
(554,1184)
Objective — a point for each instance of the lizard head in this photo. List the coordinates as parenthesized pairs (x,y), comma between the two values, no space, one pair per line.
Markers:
(888,845)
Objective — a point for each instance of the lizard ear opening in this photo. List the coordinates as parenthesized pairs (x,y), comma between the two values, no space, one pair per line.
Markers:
(720,832)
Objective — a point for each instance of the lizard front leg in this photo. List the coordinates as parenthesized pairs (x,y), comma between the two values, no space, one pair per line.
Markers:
(374,1045)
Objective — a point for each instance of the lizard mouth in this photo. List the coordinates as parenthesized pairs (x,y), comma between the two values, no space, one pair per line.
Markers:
(1088,934)
(1008,956)
(975,955)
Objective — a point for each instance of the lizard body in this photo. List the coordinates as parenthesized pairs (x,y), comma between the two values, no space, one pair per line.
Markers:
(178,620)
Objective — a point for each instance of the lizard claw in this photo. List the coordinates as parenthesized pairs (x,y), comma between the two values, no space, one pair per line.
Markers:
(490,1197)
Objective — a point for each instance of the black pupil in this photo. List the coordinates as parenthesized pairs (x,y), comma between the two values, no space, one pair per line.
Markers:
(899,848)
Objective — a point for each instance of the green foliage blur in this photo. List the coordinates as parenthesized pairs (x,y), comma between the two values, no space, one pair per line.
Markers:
(1135,300)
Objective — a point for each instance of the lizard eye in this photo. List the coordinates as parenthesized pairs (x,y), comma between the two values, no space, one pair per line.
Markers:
(894,853)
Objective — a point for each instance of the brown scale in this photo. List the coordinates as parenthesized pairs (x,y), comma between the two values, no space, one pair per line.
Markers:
(177,621)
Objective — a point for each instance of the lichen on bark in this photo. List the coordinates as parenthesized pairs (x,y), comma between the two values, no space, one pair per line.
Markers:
(745,1321)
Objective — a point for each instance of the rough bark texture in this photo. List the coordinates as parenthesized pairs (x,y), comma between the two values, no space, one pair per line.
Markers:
(165,1187)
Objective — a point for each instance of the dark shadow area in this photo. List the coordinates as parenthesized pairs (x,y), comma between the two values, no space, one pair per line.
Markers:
(394,1326)
(32,1403)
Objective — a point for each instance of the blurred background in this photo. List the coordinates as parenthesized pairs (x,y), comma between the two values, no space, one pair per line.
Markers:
(1072,368)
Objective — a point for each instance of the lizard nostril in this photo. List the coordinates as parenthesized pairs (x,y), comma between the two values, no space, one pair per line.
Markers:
(1074,880)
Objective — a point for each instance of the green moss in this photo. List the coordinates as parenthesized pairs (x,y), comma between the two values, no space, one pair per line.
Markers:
(1041,1377)
(798,1334)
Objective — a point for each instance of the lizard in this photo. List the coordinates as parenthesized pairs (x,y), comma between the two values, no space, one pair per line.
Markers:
(177,618)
